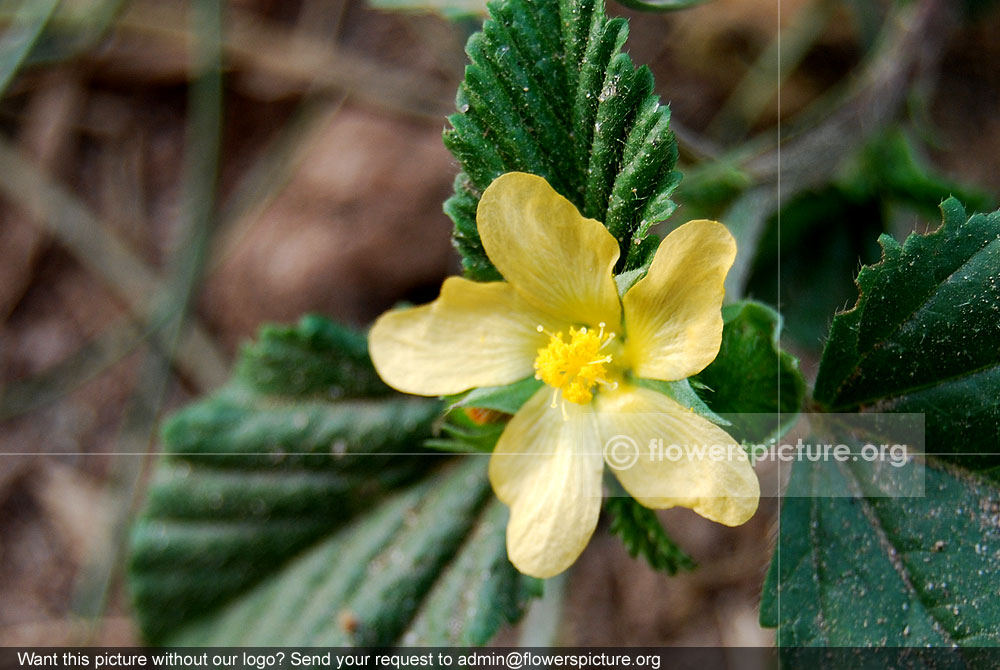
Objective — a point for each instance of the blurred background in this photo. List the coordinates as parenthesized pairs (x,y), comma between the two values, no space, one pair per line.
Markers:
(174,174)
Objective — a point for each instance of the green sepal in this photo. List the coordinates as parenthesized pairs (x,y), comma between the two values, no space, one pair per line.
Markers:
(463,434)
(507,399)
(460,434)
(629,278)
(683,392)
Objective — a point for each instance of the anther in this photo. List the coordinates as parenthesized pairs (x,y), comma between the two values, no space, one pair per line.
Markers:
(542,329)
(596,361)
(571,367)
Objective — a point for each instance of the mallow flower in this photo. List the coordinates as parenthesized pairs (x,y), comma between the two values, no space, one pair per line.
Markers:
(559,317)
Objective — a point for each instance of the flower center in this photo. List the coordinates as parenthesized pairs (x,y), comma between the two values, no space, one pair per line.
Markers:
(573,366)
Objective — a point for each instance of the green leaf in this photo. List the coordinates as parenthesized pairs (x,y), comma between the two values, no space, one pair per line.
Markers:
(548,91)
(885,185)
(500,598)
(250,481)
(643,535)
(427,566)
(314,358)
(923,336)
(921,339)
(275,506)
(237,425)
(925,569)
(752,383)
(891,166)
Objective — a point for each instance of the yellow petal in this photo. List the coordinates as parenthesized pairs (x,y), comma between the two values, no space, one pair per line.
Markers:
(699,465)
(547,469)
(673,318)
(556,259)
(474,334)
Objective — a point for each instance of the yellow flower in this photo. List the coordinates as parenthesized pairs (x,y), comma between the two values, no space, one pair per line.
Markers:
(558,316)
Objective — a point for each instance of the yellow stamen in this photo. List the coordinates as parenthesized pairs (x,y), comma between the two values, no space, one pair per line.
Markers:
(574,366)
